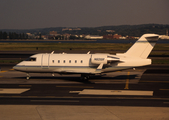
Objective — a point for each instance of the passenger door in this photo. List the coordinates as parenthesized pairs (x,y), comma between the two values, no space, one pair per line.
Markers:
(45,61)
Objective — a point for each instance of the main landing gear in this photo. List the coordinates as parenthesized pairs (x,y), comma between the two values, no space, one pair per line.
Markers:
(84,77)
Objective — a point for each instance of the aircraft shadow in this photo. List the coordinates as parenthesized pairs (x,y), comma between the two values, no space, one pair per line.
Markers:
(116,77)
(77,79)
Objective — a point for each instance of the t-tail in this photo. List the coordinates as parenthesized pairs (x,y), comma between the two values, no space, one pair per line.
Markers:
(143,47)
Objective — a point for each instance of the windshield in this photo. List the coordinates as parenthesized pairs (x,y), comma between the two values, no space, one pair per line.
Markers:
(31,59)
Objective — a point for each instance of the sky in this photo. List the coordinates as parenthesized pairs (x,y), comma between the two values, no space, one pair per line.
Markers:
(31,14)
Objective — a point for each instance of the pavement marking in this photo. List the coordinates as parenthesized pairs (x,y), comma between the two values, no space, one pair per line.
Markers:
(113,92)
(2,71)
(77,86)
(127,84)
(127,81)
(12,91)
(163,89)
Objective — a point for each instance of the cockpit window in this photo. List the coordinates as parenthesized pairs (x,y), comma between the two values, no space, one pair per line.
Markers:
(31,59)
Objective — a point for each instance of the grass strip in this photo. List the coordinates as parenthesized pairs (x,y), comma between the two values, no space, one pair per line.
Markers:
(10,61)
(161,61)
(74,46)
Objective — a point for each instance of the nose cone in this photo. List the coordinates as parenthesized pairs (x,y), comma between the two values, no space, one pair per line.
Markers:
(16,67)
(19,67)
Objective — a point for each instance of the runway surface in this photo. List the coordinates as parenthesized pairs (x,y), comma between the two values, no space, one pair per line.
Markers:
(146,86)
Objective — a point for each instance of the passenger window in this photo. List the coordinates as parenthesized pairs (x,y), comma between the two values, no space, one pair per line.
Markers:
(75,61)
(69,61)
(63,61)
(53,61)
(81,61)
(58,61)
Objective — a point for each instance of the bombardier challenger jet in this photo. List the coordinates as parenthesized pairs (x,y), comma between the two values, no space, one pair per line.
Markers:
(90,64)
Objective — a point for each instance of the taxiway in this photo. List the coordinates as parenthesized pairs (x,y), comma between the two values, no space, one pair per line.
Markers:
(113,96)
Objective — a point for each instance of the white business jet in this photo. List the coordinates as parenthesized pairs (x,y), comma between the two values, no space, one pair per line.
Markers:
(90,64)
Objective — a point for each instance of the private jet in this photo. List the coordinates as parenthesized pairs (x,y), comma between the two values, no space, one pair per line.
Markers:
(90,64)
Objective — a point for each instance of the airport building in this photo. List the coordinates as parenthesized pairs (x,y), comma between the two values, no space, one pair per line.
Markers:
(93,37)
(110,36)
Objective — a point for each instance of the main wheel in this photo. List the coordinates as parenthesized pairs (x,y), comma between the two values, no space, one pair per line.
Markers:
(84,77)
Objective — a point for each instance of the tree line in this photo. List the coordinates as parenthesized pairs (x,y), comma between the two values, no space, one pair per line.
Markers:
(13,35)
(124,30)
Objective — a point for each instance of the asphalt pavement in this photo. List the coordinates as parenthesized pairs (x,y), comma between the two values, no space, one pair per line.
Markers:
(131,94)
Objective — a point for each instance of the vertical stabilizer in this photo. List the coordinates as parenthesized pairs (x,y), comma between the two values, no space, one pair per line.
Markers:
(143,46)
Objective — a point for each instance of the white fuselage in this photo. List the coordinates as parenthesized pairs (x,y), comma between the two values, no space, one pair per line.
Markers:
(78,63)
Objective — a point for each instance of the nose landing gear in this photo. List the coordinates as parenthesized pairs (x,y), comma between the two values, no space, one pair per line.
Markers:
(28,76)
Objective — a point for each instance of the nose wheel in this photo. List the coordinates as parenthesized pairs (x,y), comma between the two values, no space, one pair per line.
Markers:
(28,76)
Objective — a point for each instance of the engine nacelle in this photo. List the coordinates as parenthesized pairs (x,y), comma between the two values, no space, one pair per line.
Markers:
(99,58)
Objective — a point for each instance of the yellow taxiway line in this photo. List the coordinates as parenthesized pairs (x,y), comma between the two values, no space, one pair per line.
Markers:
(127,81)
(2,71)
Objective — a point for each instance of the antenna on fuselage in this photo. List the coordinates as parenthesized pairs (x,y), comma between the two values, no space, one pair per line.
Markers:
(88,52)
(52,52)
